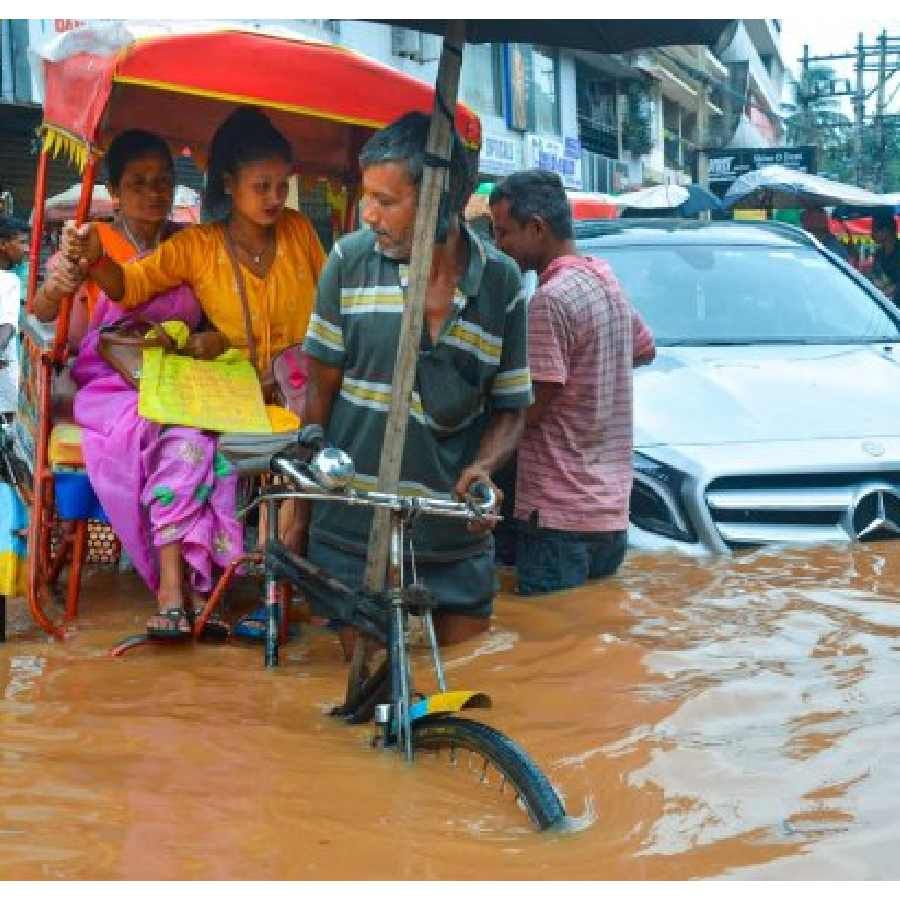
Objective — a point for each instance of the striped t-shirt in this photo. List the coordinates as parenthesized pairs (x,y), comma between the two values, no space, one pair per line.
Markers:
(575,465)
(479,364)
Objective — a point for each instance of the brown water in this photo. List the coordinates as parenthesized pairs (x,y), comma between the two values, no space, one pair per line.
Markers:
(711,718)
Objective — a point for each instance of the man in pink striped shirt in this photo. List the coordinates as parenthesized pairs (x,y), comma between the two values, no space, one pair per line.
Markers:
(575,457)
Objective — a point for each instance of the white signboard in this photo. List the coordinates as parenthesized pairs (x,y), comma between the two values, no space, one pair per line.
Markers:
(500,155)
(553,154)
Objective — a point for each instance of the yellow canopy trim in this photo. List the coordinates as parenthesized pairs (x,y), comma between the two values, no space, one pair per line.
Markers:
(58,141)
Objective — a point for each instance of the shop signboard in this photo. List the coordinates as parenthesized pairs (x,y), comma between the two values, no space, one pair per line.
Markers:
(560,155)
(500,155)
(727,165)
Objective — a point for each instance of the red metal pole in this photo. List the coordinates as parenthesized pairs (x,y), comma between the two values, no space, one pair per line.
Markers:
(61,335)
(37,227)
(224,581)
(42,502)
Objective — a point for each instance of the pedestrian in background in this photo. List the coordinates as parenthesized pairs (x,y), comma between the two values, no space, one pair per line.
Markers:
(815,221)
(886,270)
(575,457)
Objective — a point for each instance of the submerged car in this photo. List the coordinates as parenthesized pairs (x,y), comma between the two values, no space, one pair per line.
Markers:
(772,411)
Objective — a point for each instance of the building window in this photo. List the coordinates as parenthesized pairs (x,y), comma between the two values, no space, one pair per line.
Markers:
(543,107)
(533,88)
(671,134)
(481,78)
(597,112)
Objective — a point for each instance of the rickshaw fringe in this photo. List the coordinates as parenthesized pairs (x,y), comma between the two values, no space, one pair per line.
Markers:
(57,141)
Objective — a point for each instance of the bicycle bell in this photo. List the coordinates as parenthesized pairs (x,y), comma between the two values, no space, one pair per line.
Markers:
(332,468)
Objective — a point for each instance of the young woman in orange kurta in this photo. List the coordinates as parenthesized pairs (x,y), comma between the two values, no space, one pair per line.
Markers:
(278,252)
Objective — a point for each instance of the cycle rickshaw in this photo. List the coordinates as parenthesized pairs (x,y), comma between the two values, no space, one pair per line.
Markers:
(327,100)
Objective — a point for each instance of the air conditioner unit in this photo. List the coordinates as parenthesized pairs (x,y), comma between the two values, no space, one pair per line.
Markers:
(407,43)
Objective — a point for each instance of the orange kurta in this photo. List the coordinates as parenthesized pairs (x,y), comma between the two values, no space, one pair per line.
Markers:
(116,246)
(280,304)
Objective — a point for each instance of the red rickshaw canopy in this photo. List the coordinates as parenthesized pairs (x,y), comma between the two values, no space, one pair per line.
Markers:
(327,100)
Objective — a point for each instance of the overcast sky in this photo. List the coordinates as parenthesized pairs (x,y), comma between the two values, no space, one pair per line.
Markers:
(837,36)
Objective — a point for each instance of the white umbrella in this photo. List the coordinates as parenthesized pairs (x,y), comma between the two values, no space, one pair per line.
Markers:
(59,207)
(660,196)
(776,187)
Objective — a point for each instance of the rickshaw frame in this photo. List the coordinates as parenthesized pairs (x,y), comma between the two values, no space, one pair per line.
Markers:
(181,84)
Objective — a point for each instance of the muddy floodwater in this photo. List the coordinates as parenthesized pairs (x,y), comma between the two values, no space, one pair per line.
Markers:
(712,718)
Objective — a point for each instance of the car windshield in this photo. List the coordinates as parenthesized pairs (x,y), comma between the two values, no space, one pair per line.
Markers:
(744,295)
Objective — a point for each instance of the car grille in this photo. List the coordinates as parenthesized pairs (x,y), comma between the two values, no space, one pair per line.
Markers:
(805,509)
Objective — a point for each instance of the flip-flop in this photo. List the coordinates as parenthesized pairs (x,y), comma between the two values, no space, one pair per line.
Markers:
(175,618)
(252,625)
(215,628)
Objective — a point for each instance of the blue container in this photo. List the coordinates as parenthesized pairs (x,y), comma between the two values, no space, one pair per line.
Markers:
(75,498)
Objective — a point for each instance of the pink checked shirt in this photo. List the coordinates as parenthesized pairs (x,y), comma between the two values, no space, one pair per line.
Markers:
(575,466)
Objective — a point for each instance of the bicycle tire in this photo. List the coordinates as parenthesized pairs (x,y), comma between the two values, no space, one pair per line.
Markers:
(533,788)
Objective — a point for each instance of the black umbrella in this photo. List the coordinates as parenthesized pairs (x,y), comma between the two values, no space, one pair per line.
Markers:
(599,35)
(700,200)
(866,212)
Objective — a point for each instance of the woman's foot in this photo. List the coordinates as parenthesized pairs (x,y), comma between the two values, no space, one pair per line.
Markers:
(215,628)
(169,624)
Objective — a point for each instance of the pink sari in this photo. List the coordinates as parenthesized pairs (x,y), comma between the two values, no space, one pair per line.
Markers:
(158,484)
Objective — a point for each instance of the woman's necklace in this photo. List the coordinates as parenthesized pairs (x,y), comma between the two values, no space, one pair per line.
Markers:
(255,258)
(142,248)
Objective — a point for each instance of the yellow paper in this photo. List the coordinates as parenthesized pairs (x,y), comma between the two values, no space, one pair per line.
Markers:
(223,394)
(281,419)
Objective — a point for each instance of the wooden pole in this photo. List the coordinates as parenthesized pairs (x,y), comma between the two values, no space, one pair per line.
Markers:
(434,180)
(433,183)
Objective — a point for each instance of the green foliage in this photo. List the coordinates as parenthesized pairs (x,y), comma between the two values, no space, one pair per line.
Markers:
(821,123)
(636,134)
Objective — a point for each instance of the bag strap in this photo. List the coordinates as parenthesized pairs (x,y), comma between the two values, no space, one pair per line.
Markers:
(242,290)
(117,329)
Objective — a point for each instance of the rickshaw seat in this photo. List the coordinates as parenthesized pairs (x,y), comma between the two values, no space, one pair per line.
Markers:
(65,446)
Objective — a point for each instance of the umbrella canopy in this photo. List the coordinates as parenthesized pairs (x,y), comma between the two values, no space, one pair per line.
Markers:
(599,35)
(885,201)
(699,200)
(586,205)
(660,196)
(778,187)
(59,207)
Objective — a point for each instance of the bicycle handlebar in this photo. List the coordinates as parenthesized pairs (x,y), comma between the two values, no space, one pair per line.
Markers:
(317,480)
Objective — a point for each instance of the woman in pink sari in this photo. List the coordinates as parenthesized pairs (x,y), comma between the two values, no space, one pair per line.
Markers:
(168,494)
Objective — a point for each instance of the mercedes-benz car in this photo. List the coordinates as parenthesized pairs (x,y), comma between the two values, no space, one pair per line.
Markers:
(772,411)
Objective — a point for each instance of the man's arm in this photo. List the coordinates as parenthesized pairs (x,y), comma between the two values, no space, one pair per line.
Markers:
(643,345)
(545,395)
(321,389)
(498,443)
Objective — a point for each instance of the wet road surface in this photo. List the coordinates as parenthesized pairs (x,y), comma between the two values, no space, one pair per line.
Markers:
(731,718)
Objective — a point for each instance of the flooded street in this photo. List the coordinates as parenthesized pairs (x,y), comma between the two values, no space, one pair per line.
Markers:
(702,718)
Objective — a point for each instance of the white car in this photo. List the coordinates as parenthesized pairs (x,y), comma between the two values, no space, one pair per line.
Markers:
(772,411)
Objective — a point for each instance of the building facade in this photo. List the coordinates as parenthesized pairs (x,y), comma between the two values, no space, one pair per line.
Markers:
(604,122)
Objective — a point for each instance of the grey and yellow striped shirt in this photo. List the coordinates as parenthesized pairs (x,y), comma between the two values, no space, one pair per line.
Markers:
(479,364)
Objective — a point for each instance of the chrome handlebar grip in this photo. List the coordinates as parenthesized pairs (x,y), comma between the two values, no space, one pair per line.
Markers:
(328,476)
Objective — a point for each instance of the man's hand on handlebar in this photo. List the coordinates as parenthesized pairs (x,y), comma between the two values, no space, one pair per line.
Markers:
(467,479)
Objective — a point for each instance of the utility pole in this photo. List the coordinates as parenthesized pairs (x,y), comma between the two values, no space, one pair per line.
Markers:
(879,109)
(859,109)
(881,58)
(804,97)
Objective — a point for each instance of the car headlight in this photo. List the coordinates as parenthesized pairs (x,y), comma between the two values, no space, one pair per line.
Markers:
(656,504)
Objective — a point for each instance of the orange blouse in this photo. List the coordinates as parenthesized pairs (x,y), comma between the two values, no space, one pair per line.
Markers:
(280,303)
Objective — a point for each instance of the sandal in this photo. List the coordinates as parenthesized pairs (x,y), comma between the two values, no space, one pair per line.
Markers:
(215,628)
(177,625)
(252,625)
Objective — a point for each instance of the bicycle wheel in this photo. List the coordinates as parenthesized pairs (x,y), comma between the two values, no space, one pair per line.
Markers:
(462,738)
